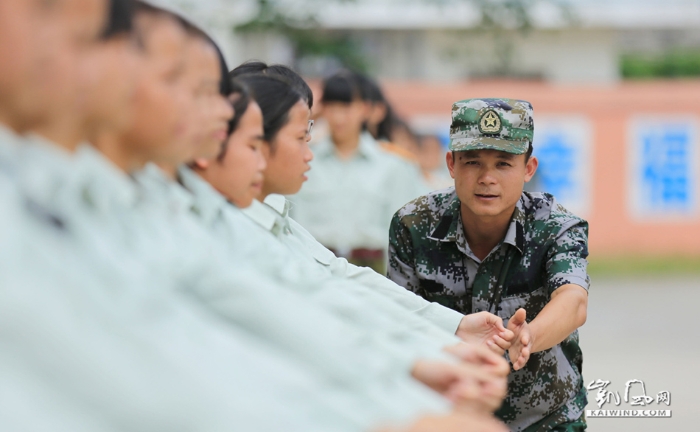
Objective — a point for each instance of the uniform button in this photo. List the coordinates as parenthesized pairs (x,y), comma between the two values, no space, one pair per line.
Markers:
(477,310)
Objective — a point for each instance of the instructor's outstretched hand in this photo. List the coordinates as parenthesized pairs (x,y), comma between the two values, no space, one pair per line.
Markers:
(521,348)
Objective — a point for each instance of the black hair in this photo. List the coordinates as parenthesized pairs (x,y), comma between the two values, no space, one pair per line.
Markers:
(275,96)
(241,99)
(369,89)
(142,7)
(386,127)
(119,19)
(255,66)
(344,87)
(371,92)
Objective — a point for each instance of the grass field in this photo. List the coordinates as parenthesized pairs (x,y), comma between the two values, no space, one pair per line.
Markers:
(644,266)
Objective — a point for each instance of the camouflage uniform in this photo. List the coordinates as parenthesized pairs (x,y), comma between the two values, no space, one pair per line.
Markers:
(545,247)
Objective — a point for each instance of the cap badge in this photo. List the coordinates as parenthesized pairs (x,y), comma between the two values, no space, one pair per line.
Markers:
(490,123)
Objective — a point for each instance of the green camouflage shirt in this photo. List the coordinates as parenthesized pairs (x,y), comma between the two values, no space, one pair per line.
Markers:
(545,248)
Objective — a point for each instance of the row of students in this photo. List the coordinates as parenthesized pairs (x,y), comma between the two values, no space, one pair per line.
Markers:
(150,275)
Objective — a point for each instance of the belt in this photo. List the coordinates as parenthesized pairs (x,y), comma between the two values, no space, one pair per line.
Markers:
(361,254)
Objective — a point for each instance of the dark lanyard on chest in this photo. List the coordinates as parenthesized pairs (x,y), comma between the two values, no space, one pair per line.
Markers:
(500,288)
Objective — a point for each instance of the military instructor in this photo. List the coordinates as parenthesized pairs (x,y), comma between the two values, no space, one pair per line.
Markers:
(486,245)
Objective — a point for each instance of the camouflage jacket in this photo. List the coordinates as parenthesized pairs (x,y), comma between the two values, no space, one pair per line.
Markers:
(545,248)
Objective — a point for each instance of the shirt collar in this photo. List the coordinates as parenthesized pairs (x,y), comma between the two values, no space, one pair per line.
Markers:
(103,183)
(46,170)
(207,202)
(278,203)
(9,142)
(449,227)
(266,217)
(161,187)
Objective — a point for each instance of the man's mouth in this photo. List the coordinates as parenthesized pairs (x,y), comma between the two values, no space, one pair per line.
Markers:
(486,196)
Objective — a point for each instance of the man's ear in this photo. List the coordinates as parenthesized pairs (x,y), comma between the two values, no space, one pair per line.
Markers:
(450,163)
(531,168)
(201,163)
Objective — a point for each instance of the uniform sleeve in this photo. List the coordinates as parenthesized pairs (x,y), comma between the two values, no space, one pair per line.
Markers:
(401,268)
(444,318)
(566,258)
(401,272)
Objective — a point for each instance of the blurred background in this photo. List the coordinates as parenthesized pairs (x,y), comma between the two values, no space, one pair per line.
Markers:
(615,85)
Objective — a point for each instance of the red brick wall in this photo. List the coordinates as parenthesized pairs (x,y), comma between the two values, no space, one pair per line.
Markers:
(612,228)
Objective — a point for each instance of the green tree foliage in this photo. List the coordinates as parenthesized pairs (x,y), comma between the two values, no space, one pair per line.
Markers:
(503,19)
(671,64)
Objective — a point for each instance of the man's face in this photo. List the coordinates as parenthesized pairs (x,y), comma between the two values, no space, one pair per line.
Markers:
(41,43)
(489,183)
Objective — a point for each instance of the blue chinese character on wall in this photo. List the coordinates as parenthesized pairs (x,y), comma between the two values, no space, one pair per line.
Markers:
(666,177)
(556,172)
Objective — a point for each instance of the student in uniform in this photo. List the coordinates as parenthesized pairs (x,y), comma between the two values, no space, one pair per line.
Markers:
(233,302)
(76,347)
(354,186)
(102,190)
(483,328)
(237,174)
(274,99)
(94,342)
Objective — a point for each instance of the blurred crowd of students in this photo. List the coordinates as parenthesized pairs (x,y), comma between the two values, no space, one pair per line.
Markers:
(367,164)
(151,277)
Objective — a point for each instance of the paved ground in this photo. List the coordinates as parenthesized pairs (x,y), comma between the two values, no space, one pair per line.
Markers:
(645,329)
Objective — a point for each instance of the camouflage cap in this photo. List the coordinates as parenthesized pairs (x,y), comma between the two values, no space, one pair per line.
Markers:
(491,124)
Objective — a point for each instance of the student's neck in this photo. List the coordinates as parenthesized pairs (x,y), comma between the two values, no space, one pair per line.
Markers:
(484,233)
(66,133)
(110,145)
(7,121)
(169,170)
(346,146)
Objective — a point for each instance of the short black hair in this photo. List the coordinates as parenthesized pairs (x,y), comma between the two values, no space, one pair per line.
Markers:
(142,7)
(276,96)
(256,66)
(370,91)
(119,19)
(343,87)
(241,99)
